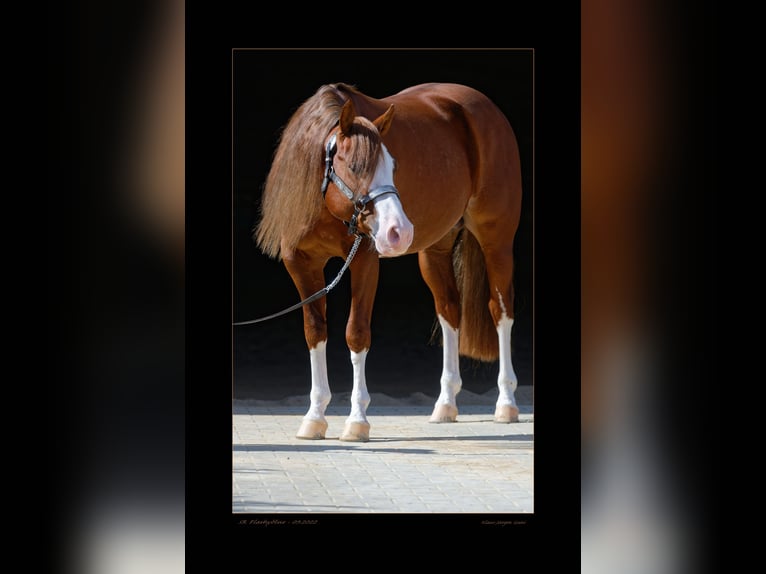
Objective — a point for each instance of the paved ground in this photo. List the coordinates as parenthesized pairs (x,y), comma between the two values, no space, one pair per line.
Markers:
(408,466)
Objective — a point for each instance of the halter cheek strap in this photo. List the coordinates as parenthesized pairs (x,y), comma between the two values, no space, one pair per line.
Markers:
(360,204)
(329,172)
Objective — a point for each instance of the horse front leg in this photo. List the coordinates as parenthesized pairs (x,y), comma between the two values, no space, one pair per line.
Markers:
(308,276)
(364,283)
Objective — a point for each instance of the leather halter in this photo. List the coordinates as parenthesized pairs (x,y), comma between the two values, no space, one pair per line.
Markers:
(360,204)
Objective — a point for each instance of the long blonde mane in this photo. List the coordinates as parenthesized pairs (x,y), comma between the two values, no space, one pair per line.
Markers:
(292,198)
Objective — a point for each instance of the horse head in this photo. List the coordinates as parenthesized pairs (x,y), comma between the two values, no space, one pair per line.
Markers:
(362,171)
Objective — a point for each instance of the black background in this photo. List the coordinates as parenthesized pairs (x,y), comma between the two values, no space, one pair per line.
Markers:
(271,359)
(227,277)
(225,170)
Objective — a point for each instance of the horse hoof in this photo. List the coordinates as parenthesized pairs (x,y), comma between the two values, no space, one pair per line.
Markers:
(356,432)
(506,414)
(312,430)
(444,414)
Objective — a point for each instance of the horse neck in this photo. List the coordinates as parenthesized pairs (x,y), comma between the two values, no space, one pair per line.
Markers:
(365,105)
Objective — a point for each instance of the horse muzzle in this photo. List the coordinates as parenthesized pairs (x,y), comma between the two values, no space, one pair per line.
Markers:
(394,239)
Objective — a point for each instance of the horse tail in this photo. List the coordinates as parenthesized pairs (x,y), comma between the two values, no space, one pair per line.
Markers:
(478,335)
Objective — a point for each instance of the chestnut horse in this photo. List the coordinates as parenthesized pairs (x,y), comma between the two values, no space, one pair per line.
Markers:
(432,170)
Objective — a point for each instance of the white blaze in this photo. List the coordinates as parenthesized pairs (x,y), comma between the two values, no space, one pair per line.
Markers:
(389,225)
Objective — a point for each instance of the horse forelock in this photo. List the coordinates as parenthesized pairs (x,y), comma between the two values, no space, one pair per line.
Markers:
(292,199)
(365,146)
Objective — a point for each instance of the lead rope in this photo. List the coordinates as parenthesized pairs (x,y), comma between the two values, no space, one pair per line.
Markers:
(319,294)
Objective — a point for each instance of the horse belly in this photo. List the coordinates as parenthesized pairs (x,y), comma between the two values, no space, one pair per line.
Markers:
(434,177)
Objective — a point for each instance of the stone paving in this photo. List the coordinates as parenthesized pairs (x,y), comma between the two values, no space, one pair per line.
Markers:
(409,465)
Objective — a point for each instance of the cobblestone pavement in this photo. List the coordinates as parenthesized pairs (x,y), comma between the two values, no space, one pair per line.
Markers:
(409,465)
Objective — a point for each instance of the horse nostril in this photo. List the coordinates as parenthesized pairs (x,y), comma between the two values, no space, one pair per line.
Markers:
(393,236)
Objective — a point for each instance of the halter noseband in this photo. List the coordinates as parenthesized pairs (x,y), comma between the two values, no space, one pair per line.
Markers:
(361,203)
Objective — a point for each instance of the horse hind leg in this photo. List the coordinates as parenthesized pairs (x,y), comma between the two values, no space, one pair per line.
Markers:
(437,270)
(445,409)
(506,409)
(499,263)
(487,271)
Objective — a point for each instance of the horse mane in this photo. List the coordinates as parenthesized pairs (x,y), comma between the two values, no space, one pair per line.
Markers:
(292,198)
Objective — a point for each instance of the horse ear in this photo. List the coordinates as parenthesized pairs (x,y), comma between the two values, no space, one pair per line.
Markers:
(384,121)
(347,115)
